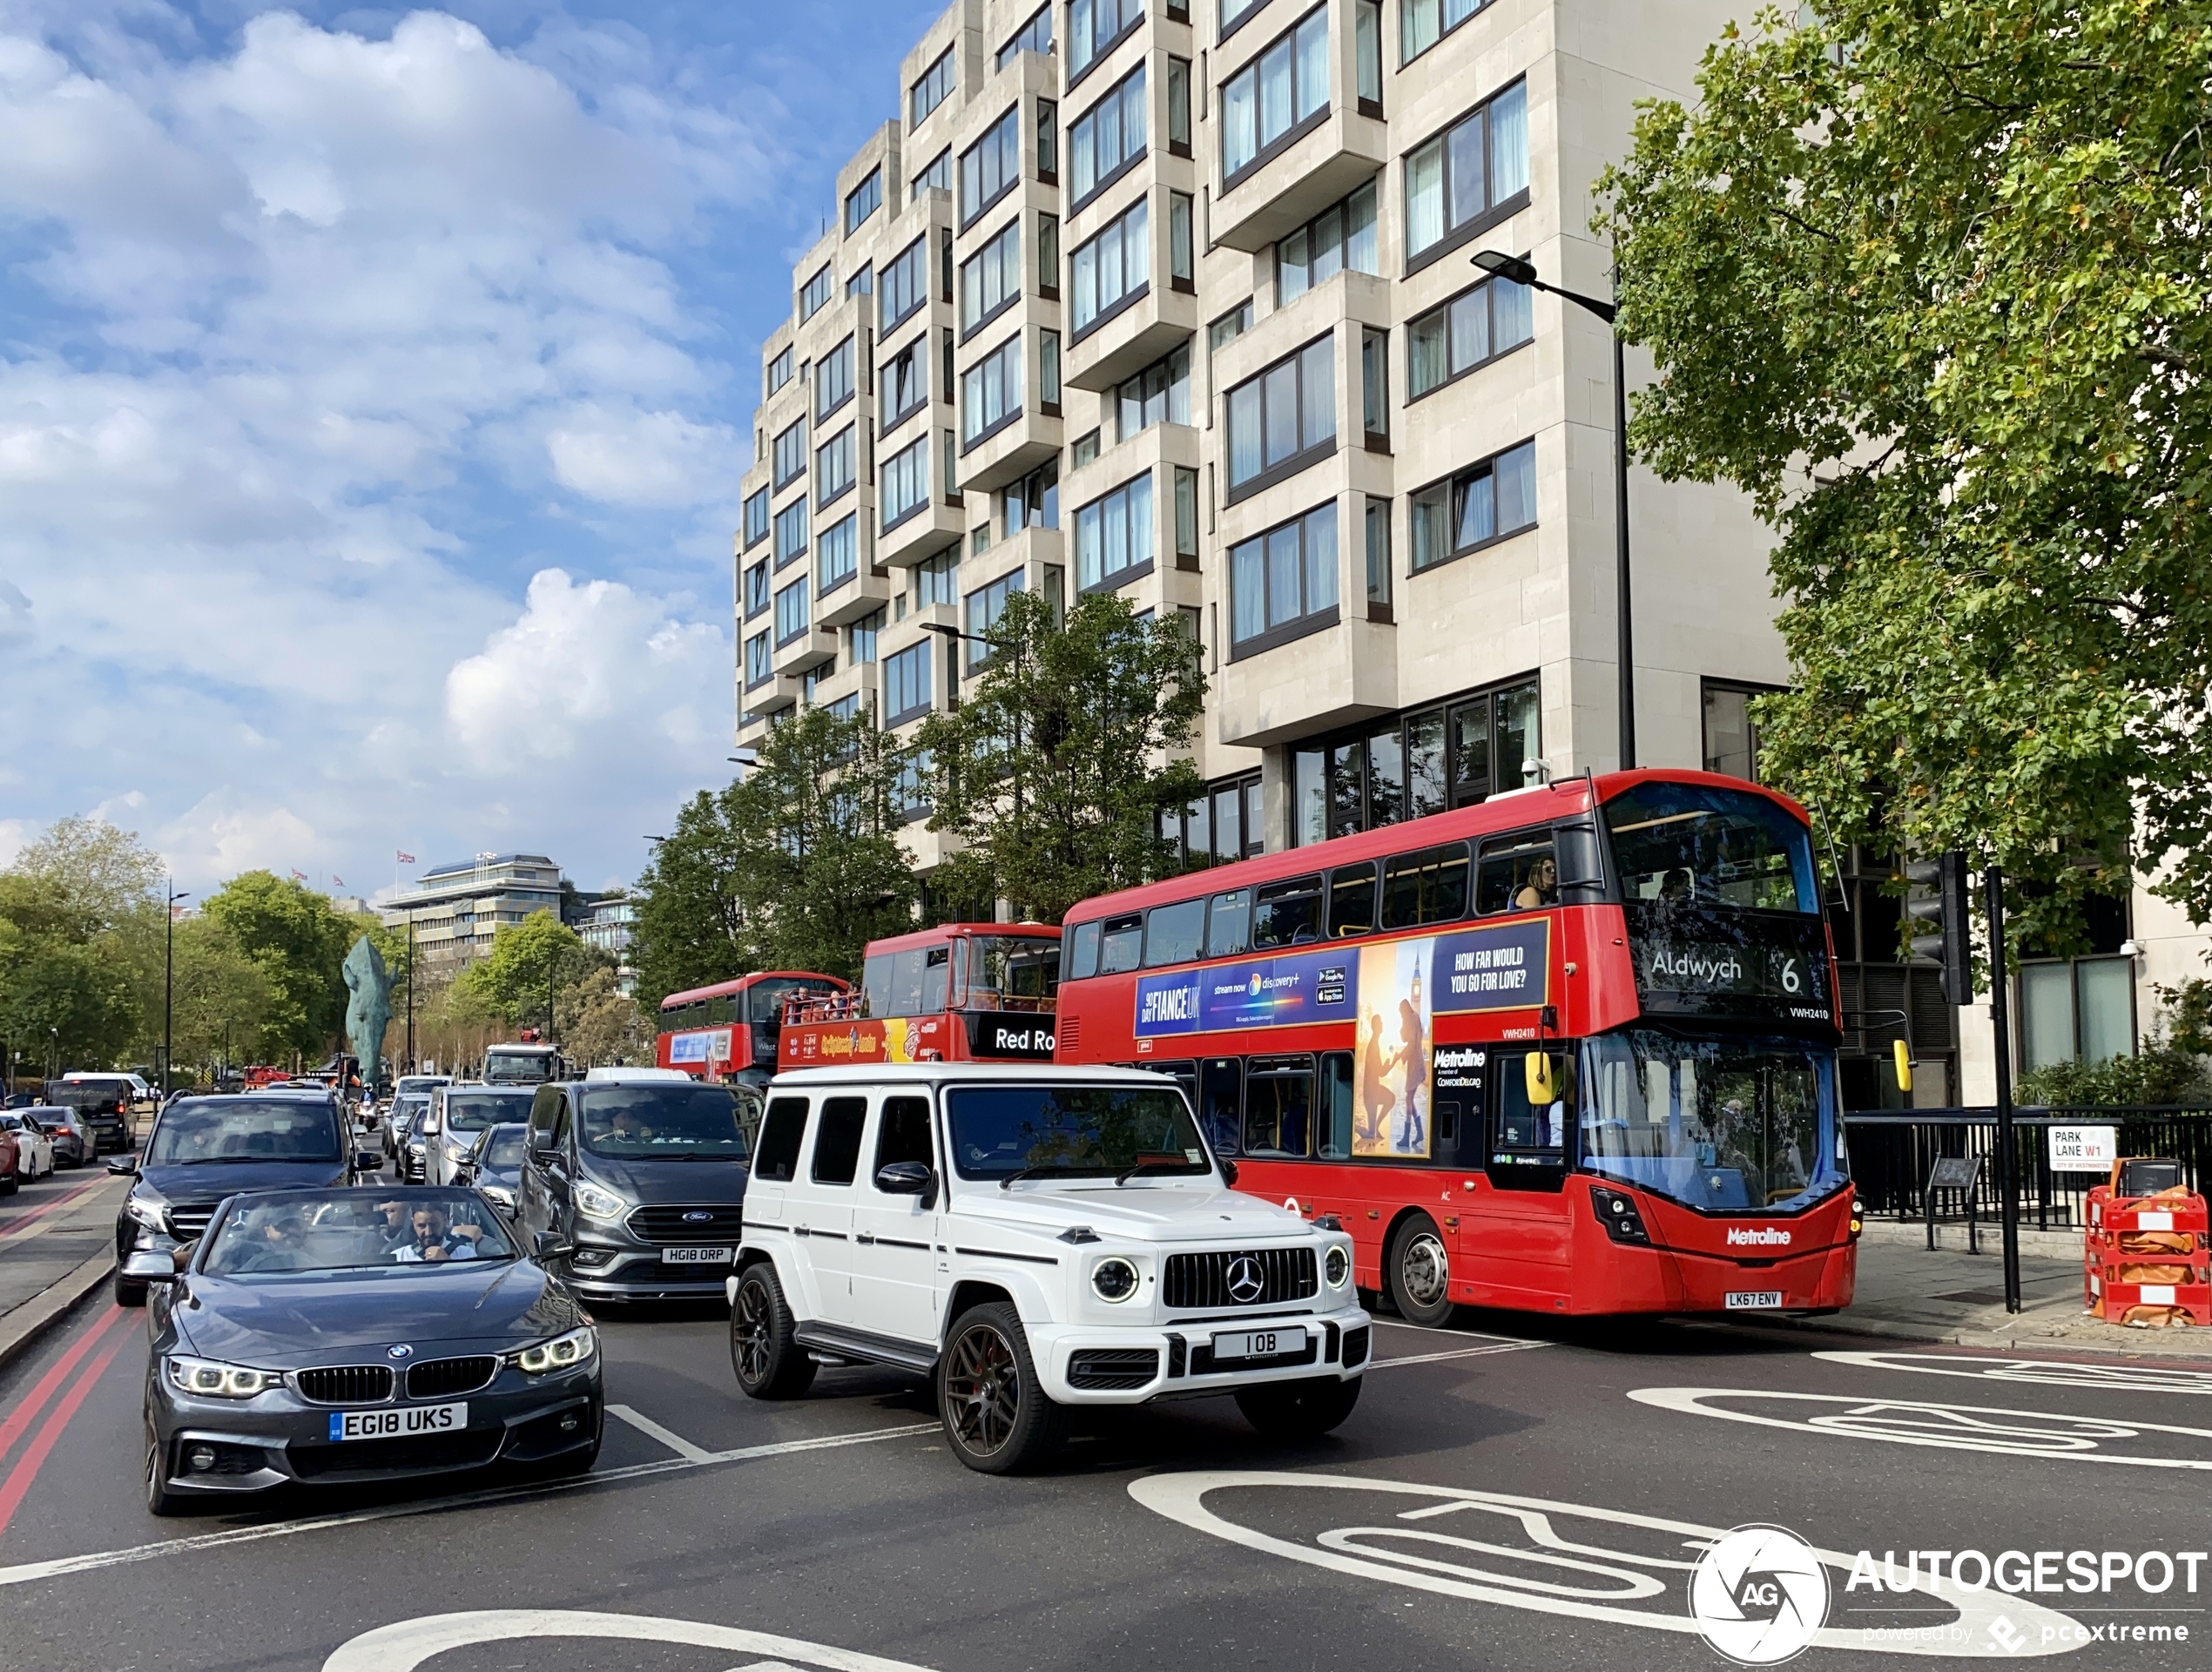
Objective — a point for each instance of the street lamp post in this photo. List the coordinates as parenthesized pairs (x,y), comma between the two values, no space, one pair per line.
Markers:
(410,989)
(1522,272)
(168,983)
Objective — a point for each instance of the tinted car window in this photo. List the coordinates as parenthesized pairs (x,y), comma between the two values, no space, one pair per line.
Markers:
(837,1140)
(241,1128)
(472,1111)
(297,1231)
(504,1147)
(1071,1131)
(779,1136)
(663,1122)
(905,1133)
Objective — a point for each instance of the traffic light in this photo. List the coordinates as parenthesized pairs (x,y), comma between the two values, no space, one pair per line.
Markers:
(1941,921)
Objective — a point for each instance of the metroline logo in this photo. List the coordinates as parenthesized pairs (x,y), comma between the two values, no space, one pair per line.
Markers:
(1764,1236)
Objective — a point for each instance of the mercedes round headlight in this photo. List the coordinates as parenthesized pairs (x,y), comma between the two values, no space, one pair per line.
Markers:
(561,1352)
(209,1380)
(1338,1264)
(595,1203)
(1113,1279)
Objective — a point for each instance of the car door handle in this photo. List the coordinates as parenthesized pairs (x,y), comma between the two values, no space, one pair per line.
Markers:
(863,1237)
(800,1230)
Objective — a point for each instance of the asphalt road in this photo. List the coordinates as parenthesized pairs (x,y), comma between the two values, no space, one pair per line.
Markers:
(720,1534)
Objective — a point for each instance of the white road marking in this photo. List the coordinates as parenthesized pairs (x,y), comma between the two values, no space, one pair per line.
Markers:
(1950,1427)
(651,1430)
(29,1572)
(2126,1378)
(1182,1498)
(1431,1328)
(1463,1352)
(406,1644)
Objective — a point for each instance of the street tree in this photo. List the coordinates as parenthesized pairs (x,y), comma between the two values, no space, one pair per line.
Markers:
(529,965)
(796,865)
(1055,768)
(79,915)
(299,940)
(220,999)
(597,1023)
(1929,282)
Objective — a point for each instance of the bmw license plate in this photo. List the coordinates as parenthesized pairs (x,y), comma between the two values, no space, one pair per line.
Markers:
(696,1256)
(1752,1300)
(1260,1344)
(399,1423)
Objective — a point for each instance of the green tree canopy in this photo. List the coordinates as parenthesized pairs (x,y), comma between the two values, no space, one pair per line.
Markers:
(530,964)
(1057,765)
(80,911)
(796,865)
(1929,282)
(298,941)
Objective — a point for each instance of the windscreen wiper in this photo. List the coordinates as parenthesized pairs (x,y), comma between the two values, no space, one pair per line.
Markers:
(1136,1167)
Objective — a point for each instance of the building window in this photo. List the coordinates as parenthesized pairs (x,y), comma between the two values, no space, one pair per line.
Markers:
(952,469)
(1106,141)
(815,295)
(756,589)
(1047,142)
(1366,52)
(780,370)
(906,684)
(1113,269)
(758,663)
(1084,450)
(1282,419)
(1222,825)
(1731,736)
(1374,387)
(1048,373)
(906,383)
(1049,257)
(1377,550)
(837,555)
(935,87)
(1471,330)
(863,200)
(936,579)
(938,177)
(906,484)
(1032,502)
(1159,394)
(2076,1009)
(790,613)
(1468,177)
(756,517)
(1186,521)
(845,708)
(1451,755)
(1284,582)
(1234,12)
(1486,502)
(1269,104)
(989,168)
(861,638)
(791,533)
(1114,537)
(990,392)
(1341,237)
(1179,107)
(833,379)
(990,279)
(906,285)
(1036,36)
(861,283)
(1231,326)
(1095,28)
(833,463)
(1421,24)
(790,455)
(985,606)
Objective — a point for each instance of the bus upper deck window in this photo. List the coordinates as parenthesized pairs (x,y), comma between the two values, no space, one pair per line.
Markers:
(1517,874)
(1287,914)
(1082,952)
(876,984)
(1123,946)
(936,978)
(1351,899)
(1174,933)
(1229,924)
(1430,886)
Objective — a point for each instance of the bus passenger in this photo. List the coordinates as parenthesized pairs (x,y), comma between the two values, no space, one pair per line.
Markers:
(1542,889)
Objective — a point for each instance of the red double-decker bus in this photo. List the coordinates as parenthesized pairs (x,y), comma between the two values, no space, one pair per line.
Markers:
(728,1031)
(1570,1050)
(959,993)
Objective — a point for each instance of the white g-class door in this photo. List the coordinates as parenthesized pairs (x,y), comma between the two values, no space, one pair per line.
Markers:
(895,1271)
(821,1211)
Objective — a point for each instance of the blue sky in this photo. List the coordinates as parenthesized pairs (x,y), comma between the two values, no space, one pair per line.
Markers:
(374,386)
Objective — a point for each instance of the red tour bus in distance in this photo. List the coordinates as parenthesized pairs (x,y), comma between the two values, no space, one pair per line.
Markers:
(1571,1049)
(958,993)
(728,1031)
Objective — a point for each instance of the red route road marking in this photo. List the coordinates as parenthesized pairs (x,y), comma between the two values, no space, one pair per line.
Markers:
(34,1457)
(16,1224)
(31,1404)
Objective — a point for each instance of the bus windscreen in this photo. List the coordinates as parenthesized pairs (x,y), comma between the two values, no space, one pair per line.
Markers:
(1690,845)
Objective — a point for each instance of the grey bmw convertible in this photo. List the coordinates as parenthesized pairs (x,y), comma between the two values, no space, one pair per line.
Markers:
(359,1334)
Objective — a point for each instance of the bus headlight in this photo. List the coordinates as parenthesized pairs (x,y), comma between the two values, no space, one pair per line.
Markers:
(1617,1213)
(1336,1264)
(1113,1279)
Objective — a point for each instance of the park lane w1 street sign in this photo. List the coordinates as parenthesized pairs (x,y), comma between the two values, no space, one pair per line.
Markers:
(2083,1149)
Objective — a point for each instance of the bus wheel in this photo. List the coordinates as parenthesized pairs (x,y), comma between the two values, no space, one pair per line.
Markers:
(1420,1272)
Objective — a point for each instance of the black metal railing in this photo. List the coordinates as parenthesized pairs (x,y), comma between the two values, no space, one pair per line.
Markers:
(1892,1152)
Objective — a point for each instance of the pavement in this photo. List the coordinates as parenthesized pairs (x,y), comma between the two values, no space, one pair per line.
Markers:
(57,1245)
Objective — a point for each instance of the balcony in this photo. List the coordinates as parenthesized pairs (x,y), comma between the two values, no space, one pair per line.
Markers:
(1014,443)
(866,592)
(805,652)
(1335,676)
(1152,318)
(1302,171)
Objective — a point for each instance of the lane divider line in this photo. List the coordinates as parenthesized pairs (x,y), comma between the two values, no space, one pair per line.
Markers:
(35,1455)
(1432,1329)
(651,1430)
(33,1222)
(31,1404)
(29,1572)
(1464,1353)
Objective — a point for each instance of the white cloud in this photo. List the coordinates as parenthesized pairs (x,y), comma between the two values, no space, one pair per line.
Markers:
(225,833)
(650,458)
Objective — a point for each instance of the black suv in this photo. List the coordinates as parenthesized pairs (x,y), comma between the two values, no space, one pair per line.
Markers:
(104,1103)
(643,1172)
(202,1149)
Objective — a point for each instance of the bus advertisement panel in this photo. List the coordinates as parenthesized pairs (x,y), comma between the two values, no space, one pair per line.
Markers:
(1571,1049)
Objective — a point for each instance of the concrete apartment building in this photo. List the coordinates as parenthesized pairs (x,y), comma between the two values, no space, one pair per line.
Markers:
(1176,299)
(457,909)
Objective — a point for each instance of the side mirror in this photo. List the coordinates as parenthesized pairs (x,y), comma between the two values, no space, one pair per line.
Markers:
(546,1246)
(1542,1093)
(368,1161)
(124,1166)
(542,1143)
(904,1178)
(149,1268)
(1228,1172)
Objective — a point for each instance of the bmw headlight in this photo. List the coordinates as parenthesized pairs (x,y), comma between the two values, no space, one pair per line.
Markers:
(561,1352)
(1337,1265)
(149,1210)
(1113,1279)
(595,1204)
(210,1379)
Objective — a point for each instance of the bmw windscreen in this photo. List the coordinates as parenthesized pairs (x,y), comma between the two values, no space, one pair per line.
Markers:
(241,1129)
(1009,1132)
(296,1231)
(663,1122)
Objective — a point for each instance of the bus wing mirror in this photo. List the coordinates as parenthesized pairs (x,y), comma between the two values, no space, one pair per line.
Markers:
(1903,1065)
(1541,1092)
